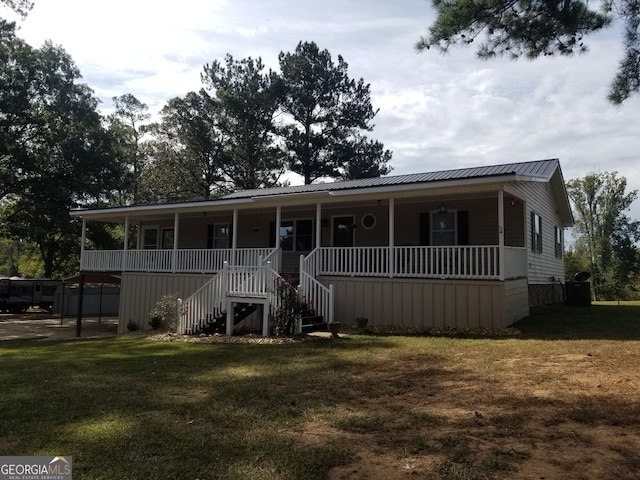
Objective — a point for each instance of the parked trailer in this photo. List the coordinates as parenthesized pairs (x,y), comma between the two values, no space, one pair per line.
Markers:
(18,294)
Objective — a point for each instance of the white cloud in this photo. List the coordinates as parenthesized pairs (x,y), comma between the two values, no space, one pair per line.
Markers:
(436,111)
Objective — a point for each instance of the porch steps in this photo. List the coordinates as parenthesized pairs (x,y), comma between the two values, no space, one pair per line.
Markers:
(218,324)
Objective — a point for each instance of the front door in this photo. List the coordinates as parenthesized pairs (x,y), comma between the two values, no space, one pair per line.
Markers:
(343,230)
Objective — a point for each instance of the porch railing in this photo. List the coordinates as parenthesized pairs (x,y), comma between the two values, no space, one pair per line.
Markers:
(319,297)
(179,261)
(202,306)
(459,262)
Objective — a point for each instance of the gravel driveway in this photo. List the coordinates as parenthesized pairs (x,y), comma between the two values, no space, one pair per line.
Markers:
(48,326)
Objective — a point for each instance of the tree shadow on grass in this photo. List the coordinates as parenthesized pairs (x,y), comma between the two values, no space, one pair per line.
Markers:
(130,408)
(596,322)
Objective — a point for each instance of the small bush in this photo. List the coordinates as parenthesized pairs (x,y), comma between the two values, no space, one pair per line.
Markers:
(155,321)
(289,309)
(165,313)
(132,326)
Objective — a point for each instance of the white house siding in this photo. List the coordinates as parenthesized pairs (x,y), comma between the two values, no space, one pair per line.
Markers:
(426,304)
(545,265)
(546,271)
(516,293)
(139,293)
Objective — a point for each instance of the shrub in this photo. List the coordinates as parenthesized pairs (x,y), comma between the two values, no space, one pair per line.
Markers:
(165,313)
(289,308)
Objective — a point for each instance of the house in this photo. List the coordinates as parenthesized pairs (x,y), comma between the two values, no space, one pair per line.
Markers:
(463,248)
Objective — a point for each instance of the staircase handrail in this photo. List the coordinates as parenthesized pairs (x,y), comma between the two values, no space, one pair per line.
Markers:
(315,293)
(206,301)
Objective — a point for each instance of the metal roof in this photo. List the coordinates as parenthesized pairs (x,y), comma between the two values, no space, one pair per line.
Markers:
(539,170)
(542,169)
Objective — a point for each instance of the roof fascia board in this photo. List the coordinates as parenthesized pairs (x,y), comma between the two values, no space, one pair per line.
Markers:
(159,209)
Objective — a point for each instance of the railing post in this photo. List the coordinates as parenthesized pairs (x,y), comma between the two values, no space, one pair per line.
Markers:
(331,313)
(392,218)
(125,246)
(174,253)
(500,266)
(301,266)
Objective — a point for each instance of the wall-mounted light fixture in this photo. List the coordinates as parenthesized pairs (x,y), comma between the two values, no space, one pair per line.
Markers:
(442,208)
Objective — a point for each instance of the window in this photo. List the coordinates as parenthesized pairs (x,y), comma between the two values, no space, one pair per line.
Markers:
(559,242)
(443,228)
(296,235)
(536,232)
(167,238)
(150,238)
(369,221)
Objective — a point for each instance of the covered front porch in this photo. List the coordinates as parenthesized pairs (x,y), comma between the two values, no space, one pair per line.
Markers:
(463,236)
(460,238)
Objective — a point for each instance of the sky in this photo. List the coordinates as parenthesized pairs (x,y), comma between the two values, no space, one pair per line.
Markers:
(436,112)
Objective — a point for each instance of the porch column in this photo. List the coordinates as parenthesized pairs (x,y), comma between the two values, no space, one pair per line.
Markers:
(174,257)
(501,233)
(277,239)
(318,225)
(392,216)
(125,248)
(234,236)
(83,240)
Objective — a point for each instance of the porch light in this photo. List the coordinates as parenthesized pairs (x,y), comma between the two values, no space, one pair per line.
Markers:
(442,208)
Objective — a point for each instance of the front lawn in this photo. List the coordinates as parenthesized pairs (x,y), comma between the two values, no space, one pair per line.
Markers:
(561,400)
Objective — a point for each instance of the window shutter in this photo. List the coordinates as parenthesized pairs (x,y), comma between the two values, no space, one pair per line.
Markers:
(424,230)
(463,228)
(210,236)
(272,234)
(539,243)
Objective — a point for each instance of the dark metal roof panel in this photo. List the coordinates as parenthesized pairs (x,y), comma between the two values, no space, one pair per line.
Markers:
(543,169)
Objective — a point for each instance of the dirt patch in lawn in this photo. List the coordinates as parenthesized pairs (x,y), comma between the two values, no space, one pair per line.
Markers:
(573,415)
(46,326)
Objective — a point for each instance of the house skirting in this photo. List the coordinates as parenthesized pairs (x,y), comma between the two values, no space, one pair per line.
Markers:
(429,303)
(139,293)
(545,294)
(402,302)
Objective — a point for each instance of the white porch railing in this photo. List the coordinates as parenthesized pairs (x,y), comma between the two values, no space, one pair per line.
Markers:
(515,262)
(202,306)
(185,261)
(461,262)
(316,295)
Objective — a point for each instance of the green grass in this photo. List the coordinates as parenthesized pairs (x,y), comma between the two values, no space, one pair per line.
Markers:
(130,408)
(601,321)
